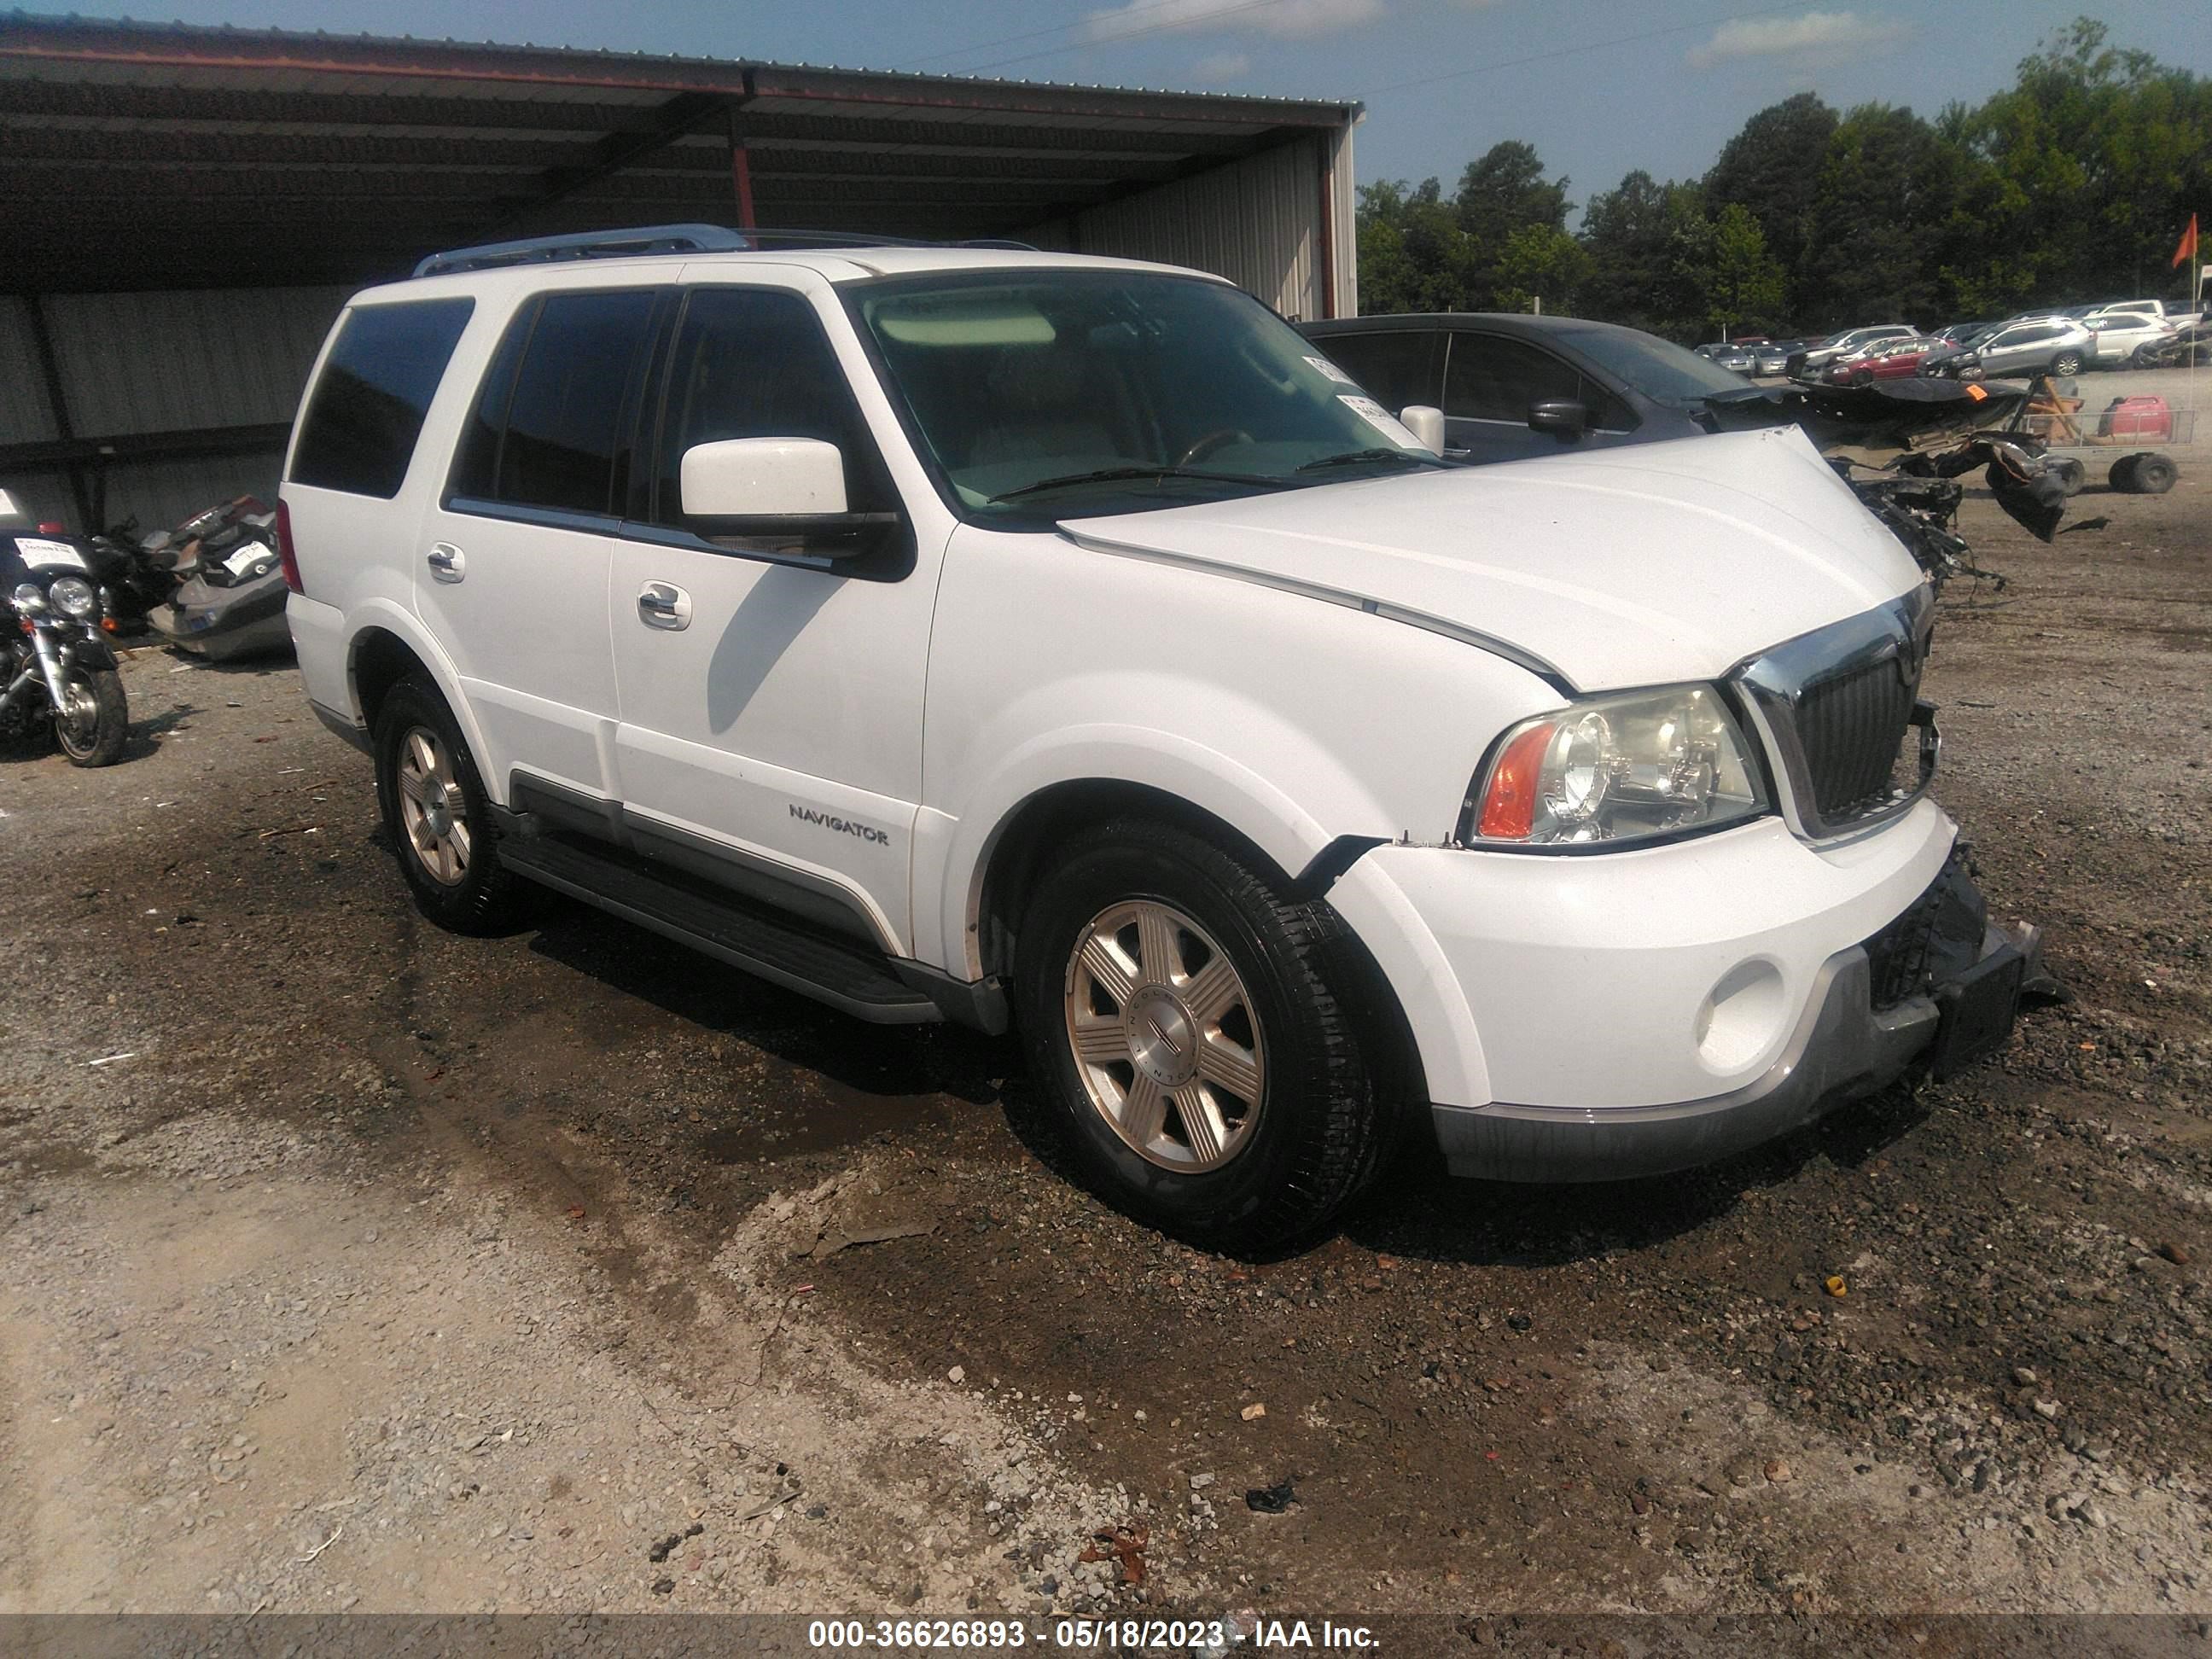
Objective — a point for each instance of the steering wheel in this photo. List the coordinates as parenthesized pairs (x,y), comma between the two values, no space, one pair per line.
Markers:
(1219,438)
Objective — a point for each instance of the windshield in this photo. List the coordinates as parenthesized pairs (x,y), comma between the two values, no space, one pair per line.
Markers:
(1069,392)
(1660,370)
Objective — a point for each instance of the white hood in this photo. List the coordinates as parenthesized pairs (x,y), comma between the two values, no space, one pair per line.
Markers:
(1631,566)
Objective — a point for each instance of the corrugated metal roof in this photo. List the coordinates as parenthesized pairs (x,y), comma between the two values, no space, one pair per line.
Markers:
(168,156)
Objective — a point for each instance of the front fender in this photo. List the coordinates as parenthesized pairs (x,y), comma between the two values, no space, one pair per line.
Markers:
(91,651)
(1207,779)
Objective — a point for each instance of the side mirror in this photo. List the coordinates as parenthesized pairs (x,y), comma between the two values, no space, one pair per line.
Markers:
(1427,422)
(1564,418)
(784,490)
(762,478)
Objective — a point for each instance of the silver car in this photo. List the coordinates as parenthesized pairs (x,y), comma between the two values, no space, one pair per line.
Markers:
(1855,341)
(2048,345)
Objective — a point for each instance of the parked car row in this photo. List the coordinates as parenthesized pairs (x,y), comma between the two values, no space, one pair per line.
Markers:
(2119,334)
(1753,355)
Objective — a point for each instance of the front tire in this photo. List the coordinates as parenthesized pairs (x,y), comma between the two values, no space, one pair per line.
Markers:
(439,817)
(1184,1023)
(92,728)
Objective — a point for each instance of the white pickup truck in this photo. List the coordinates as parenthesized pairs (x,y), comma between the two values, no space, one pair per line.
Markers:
(952,633)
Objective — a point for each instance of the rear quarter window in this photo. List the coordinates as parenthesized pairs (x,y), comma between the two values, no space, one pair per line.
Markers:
(362,421)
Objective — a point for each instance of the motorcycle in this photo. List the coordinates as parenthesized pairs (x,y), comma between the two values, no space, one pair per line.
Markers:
(60,674)
(136,577)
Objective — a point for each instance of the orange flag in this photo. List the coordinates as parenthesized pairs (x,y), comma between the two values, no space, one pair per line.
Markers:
(2187,251)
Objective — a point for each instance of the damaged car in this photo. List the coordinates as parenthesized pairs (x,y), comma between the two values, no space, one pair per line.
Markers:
(1066,644)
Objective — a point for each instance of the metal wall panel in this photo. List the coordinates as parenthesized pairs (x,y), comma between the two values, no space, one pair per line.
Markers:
(168,362)
(1256,220)
(163,362)
(24,416)
(157,494)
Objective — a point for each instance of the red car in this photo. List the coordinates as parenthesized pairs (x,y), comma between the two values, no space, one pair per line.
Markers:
(1892,359)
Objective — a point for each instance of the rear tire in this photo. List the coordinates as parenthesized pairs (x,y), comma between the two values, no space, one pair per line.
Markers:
(2072,475)
(95,736)
(439,817)
(2066,363)
(1226,1101)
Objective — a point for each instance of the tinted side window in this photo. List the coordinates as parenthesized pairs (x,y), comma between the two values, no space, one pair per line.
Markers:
(1395,367)
(755,363)
(1490,378)
(564,418)
(476,457)
(358,433)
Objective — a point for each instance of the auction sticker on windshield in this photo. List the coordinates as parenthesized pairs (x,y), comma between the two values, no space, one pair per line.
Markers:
(1381,419)
(42,554)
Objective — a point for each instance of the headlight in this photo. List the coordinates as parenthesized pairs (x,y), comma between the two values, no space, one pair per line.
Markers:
(29,598)
(73,596)
(1616,770)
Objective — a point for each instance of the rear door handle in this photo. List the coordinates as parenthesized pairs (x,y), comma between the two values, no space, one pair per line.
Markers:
(446,563)
(663,605)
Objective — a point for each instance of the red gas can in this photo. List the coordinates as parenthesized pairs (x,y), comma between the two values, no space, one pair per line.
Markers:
(2143,417)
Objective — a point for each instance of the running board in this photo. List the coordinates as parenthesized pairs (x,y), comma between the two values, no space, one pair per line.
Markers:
(844,974)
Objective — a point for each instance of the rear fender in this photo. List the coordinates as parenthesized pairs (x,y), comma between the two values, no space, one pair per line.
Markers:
(377,613)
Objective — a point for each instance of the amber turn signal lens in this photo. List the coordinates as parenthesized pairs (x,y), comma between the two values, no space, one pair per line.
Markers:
(1509,804)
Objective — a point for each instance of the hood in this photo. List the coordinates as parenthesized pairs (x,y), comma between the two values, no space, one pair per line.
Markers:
(1637,565)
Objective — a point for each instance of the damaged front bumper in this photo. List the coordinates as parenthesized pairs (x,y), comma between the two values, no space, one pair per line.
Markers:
(1937,988)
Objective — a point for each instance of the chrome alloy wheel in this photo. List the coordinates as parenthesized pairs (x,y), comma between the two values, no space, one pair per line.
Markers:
(431,808)
(1164,1036)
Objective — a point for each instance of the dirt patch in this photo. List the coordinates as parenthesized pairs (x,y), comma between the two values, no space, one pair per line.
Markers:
(396,1270)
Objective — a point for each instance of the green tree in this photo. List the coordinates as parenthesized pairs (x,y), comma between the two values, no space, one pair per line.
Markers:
(1741,282)
(1413,254)
(1420,252)
(1503,190)
(1771,168)
(2083,173)
(1540,262)
(2071,185)
(1880,222)
(1635,236)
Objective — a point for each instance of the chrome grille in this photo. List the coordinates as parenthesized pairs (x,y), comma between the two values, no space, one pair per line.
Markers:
(1852,730)
(1837,709)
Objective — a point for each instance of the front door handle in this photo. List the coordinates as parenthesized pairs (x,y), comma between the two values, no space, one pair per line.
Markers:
(663,605)
(446,563)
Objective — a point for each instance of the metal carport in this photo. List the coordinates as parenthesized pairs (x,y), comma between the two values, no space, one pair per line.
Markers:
(188,207)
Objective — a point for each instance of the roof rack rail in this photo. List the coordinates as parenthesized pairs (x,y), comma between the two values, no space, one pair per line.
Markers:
(668,238)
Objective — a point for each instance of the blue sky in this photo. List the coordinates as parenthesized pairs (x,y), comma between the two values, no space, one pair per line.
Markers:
(1598,86)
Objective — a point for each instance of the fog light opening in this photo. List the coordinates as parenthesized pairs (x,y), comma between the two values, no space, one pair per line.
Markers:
(1740,1017)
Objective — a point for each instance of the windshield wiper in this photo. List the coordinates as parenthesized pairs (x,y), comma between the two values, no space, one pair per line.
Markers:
(1355,457)
(1119,474)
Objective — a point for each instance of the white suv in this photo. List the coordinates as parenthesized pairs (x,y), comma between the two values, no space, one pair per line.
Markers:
(1010,637)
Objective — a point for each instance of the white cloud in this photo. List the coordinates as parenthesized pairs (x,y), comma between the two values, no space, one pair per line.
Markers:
(1223,66)
(1289,18)
(1817,34)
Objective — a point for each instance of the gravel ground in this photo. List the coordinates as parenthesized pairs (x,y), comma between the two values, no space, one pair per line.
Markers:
(346,1264)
